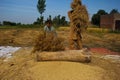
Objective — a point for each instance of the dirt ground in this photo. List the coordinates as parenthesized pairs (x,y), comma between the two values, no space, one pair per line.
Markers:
(23,64)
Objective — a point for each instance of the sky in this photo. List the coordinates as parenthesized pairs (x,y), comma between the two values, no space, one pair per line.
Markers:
(25,11)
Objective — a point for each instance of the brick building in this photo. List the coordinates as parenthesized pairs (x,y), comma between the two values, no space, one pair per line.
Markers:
(111,21)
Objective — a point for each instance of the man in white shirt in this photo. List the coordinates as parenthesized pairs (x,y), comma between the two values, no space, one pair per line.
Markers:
(49,29)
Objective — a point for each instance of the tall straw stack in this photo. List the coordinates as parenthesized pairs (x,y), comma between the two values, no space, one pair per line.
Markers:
(78,18)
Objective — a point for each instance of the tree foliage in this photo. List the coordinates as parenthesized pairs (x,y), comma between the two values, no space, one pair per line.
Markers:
(0,23)
(96,17)
(60,20)
(41,6)
(39,21)
(9,23)
(50,17)
(113,11)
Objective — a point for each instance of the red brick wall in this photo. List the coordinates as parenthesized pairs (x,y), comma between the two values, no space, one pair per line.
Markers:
(107,21)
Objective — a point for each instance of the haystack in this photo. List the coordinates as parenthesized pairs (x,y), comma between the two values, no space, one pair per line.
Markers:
(48,43)
(78,19)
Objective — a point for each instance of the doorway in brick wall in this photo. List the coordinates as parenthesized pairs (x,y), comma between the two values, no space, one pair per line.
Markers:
(117,25)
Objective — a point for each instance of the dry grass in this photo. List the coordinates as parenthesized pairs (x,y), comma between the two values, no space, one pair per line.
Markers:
(18,37)
(93,38)
(91,30)
(63,28)
(98,30)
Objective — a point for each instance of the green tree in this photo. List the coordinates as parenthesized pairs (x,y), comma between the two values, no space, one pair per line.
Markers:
(63,20)
(96,17)
(0,24)
(50,17)
(102,12)
(113,11)
(55,20)
(39,20)
(9,23)
(60,21)
(41,6)
(18,24)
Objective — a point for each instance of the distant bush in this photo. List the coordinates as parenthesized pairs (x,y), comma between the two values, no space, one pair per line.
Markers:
(9,23)
(20,26)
